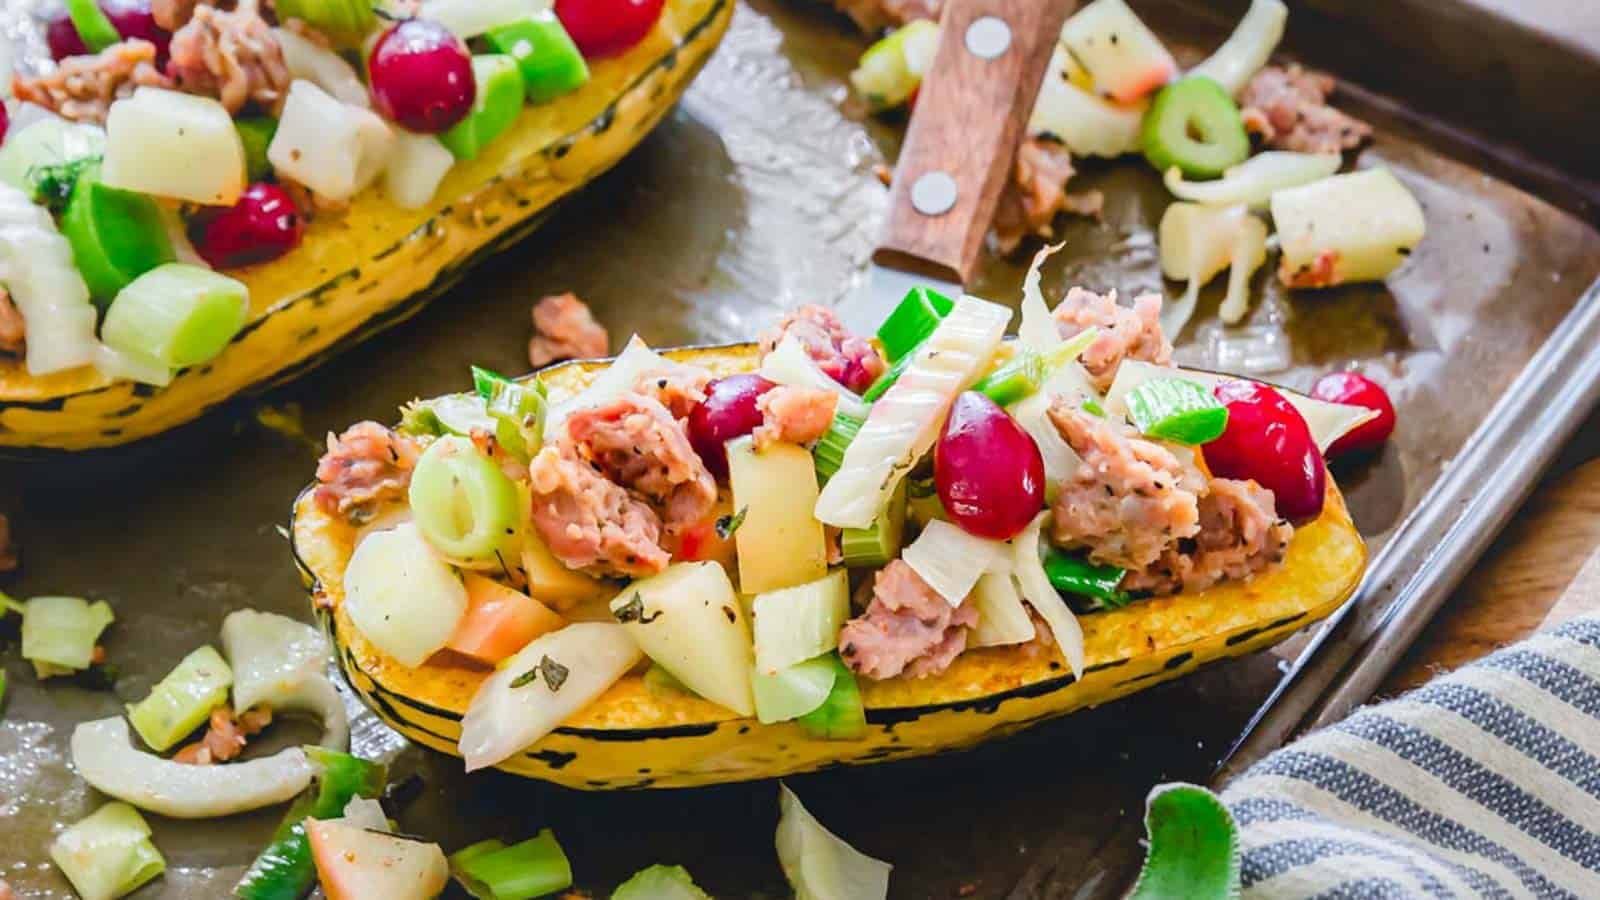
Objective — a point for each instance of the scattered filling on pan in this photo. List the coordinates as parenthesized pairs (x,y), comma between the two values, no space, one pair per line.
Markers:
(172,141)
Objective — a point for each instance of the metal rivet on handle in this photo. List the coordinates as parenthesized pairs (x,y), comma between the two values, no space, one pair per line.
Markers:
(933,193)
(988,37)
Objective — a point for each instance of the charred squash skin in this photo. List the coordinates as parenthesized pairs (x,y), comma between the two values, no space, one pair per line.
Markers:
(361,272)
(634,738)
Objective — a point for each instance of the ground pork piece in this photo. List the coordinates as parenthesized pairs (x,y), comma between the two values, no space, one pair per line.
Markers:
(82,88)
(1240,535)
(564,328)
(637,443)
(1125,332)
(174,14)
(1130,499)
(589,522)
(1037,192)
(794,415)
(907,628)
(842,356)
(231,55)
(8,547)
(873,16)
(679,390)
(13,329)
(367,465)
(226,735)
(1289,108)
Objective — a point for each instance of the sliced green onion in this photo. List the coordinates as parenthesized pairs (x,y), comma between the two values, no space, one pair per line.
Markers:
(176,315)
(92,24)
(1194,125)
(1177,410)
(109,854)
(660,883)
(348,18)
(842,716)
(489,870)
(793,691)
(518,409)
(285,870)
(182,701)
(829,452)
(912,321)
(59,633)
(865,548)
(462,503)
(256,133)
(1079,578)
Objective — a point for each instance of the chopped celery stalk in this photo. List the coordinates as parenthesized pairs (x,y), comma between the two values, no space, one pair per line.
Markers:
(347,18)
(109,854)
(533,868)
(660,883)
(495,107)
(92,24)
(888,378)
(1076,576)
(518,410)
(842,716)
(912,321)
(877,544)
(1173,409)
(550,62)
(176,315)
(284,869)
(1194,125)
(116,235)
(658,681)
(62,631)
(462,502)
(818,864)
(799,623)
(255,133)
(829,451)
(182,701)
(1017,380)
(792,692)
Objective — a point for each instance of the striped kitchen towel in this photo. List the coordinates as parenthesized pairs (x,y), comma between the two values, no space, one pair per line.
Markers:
(1484,783)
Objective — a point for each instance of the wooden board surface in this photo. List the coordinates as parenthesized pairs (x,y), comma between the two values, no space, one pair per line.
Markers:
(1543,570)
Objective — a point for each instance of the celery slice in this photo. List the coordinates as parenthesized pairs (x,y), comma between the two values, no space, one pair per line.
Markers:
(829,451)
(461,501)
(92,24)
(176,315)
(912,321)
(109,854)
(518,409)
(489,870)
(880,542)
(62,631)
(842,716)
(182,701)
(347,18)
(1194,125)
(794,691)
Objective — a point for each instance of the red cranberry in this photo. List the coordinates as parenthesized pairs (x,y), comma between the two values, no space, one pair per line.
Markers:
(1357,390)
(729,411)
(133,19)
(262,226)
(1268,441)
(61,36)
(607,27)
(421,76)
(988,470)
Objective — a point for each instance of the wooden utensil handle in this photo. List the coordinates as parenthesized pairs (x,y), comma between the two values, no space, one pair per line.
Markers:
(970,114)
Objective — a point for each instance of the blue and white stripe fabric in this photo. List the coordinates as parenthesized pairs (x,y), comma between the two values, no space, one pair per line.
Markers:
(1484,783)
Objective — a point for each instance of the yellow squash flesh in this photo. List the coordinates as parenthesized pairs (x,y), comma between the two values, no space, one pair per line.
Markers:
(371,267)
(633,737)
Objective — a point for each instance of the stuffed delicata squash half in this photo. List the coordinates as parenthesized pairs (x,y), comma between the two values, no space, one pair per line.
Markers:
(174,236)
(726,563)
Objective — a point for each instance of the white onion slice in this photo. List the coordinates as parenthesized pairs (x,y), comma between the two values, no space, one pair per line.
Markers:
(1245,51)
(284,663)
(1028,569)
(1254,181)
(818,864)
(950,560)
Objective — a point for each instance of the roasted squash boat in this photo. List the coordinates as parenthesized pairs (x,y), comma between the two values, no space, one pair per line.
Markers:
(187,238)
(637,572)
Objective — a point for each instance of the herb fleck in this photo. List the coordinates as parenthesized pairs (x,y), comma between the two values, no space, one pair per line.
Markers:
(727,525)
(633,611)
(555,675)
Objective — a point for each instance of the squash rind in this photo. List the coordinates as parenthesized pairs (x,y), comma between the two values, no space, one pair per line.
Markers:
(634,738)
(376,265)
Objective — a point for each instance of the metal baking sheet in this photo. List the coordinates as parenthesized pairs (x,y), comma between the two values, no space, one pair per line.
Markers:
(759,194)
